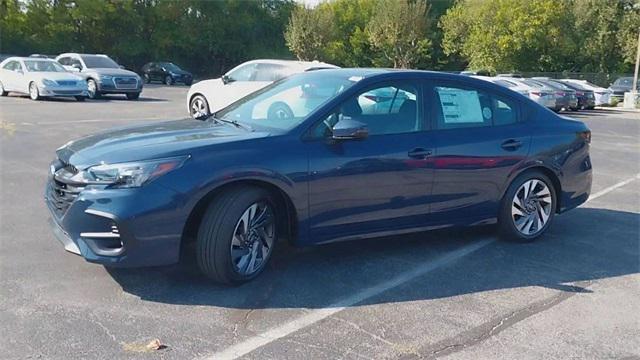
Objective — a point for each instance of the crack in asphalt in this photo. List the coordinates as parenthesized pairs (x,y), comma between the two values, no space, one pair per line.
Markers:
(483,332)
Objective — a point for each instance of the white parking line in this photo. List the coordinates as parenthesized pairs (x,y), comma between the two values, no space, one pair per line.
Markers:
(316,315)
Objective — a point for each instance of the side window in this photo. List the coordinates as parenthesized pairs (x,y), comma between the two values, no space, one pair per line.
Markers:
(269,72)
(9,66)
(387,109)
(243,73)
(463,108)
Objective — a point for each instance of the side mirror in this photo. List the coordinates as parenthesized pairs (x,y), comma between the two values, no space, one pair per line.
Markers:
(76,67)
(227,79)
(348,129)
(121,66)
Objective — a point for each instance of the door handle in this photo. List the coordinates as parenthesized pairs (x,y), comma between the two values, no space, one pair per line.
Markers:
(420,153)
(511,145)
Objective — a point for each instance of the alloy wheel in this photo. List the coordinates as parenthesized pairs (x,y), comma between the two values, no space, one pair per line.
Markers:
(253,239)
(531,207)
(91,88)
(198,108)
(33,91)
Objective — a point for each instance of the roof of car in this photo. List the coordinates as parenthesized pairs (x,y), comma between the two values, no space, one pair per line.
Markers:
(78,54)
(294,63)
(22,58)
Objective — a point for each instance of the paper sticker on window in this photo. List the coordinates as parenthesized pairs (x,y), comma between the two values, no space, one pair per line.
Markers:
(460,106)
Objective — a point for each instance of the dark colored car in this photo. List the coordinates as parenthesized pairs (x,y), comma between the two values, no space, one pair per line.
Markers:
(565,96)
(586,97)
(166,72)
(458,151)
(621,86)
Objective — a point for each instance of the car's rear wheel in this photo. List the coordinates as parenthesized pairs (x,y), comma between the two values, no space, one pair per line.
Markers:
(168,80)
(92,89)
(3,92)
(199,107)
(133,96)
(188,82)
(237,235)
(34,93)
(528,207)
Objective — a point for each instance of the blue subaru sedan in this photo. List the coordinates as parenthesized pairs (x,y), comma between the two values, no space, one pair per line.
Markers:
(318,157)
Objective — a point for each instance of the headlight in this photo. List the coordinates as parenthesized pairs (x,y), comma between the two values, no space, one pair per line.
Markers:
(47,82)
(128,175)
(106,77)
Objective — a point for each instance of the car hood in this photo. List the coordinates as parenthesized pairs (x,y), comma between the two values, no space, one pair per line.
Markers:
(56,76)
(112,72)
(152,141)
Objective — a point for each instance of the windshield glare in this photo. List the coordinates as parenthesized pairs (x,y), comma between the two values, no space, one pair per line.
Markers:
(286,103)
(43,66)
(95,61)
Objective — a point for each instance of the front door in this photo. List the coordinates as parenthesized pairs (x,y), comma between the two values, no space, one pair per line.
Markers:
(379,184)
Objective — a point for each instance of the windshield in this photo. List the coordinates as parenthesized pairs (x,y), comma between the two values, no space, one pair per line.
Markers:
(170,66)
(43,66)
(96,61)
(286,103)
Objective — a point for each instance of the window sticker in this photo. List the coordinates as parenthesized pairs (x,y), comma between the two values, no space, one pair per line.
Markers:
(460,106)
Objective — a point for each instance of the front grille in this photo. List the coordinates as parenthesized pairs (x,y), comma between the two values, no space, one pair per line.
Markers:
(61,192)
(67,82)
(126,82)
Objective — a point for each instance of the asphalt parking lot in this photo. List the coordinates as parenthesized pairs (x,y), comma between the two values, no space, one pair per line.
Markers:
(458,294)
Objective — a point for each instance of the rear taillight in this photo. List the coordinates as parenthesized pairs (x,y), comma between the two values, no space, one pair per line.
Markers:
(578,93)
(586,136)
(372,97)
(536,93)
(560,93)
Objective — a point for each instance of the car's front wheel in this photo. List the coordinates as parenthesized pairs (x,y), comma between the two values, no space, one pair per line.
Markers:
(92,89)
(80,98)
(168,80)
(133,96)
(34,93)
(528,207)
(199,107)
(147,79)
(237,235)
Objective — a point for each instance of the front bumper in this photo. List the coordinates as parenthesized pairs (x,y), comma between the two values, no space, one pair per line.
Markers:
(118,227)
(62,91)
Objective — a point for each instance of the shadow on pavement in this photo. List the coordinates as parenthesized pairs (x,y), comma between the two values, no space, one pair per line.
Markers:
(583,245)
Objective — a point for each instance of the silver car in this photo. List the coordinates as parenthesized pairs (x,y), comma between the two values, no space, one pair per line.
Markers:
(103,75)
(39,78)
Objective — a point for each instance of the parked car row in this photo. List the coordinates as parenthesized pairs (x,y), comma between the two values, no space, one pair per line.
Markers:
(563,94)
(81,76)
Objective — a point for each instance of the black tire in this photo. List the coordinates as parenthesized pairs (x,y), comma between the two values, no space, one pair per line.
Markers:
(80,98)
(204,112)
(213,244)
(133,96)
(506,226)
(93,84)
(147,79)
(280,111)
(3,92)
(168,80)
(188,82)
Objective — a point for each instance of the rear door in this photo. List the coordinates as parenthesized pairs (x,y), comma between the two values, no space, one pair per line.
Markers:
(9,75)
(481,137)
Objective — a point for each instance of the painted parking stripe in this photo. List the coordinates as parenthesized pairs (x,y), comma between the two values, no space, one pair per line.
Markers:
(313,316)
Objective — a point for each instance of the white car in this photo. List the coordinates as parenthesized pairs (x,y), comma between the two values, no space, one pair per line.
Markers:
(602,95)
(40,78)
(538,92)
(209,96)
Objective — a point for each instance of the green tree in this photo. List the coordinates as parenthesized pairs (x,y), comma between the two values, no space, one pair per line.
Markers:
(398,29)
(508,35)
(308,32)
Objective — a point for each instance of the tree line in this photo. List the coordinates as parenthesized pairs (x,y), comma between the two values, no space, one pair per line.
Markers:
(209,37)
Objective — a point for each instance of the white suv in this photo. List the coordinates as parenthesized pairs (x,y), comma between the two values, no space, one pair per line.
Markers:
(209,96)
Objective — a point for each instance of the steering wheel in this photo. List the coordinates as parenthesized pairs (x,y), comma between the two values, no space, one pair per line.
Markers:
(279,111)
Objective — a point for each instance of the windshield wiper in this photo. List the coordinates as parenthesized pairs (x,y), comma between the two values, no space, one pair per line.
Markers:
(232,122)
